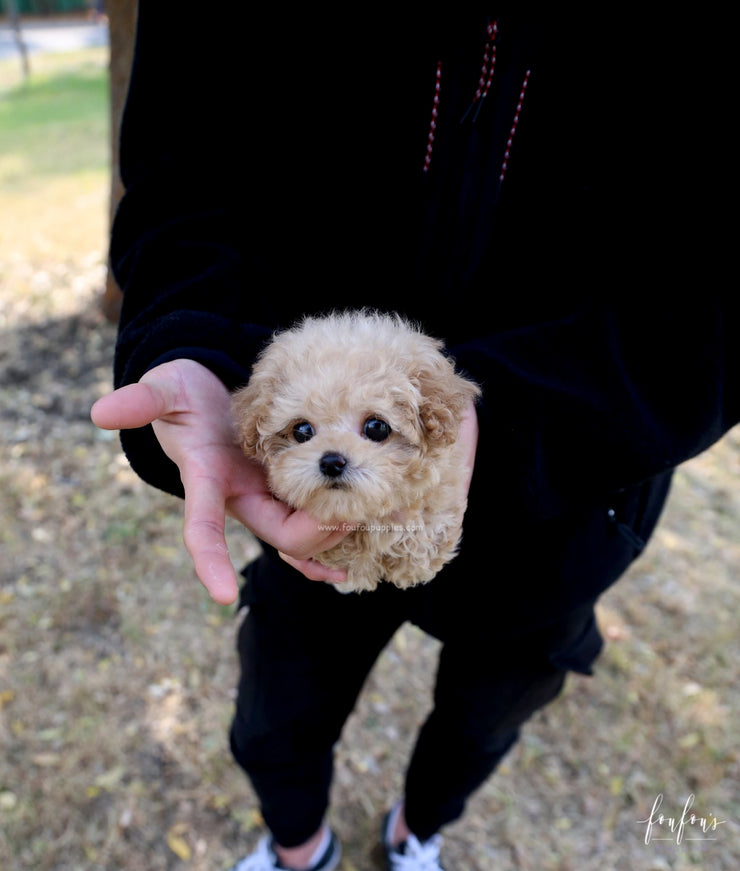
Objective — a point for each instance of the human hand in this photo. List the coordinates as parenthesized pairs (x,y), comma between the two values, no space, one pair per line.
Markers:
(190,411)
(468,438)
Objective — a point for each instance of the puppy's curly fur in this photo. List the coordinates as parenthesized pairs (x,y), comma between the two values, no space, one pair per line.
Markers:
(355,417)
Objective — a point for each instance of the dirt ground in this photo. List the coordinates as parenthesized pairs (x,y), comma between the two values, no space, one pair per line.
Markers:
(117,672)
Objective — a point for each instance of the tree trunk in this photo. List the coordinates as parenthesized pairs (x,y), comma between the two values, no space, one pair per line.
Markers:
(15,23)
(122,30)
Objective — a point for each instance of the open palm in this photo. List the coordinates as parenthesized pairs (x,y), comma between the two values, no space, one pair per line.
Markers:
(190,411)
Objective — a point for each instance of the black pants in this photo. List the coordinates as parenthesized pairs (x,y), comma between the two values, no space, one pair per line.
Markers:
(305,652)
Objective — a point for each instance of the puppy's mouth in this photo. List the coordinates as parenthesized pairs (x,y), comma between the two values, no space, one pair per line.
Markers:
(337,485)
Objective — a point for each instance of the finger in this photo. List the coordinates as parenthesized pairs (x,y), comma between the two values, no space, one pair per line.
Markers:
(205,539)
(212,562)
(469,439)
(295,533)
(314,570)
(132,406)
(302,536)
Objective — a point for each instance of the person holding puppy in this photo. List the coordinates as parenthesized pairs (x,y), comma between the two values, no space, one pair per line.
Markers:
(503,178)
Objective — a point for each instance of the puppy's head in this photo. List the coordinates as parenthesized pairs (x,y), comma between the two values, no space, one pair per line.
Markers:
(349,414)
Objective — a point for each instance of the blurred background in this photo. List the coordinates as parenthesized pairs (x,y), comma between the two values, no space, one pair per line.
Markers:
(116,670)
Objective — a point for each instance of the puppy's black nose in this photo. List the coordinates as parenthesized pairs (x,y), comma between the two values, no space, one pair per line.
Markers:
(332,465)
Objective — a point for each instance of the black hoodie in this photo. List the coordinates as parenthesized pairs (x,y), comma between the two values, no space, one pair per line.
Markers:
(540,189)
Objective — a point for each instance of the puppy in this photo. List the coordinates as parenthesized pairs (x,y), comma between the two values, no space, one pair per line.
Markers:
(355,417)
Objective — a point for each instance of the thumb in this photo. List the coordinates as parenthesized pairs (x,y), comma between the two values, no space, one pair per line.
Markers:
(134,405)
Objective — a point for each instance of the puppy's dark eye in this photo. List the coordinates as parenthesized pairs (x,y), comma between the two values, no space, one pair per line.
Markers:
(375,429)
(303,431)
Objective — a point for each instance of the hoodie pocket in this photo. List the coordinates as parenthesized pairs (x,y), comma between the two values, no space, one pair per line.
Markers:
(634,512)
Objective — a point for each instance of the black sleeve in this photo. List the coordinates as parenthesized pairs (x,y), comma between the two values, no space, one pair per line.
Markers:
(174,248)
(603,398)
(175,243)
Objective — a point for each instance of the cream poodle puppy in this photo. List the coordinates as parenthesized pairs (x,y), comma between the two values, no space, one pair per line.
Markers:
(355,417)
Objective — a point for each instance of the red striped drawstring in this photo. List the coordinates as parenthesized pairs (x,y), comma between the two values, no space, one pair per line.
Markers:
(487,69)
(433,120)
(514,125)
(485,79)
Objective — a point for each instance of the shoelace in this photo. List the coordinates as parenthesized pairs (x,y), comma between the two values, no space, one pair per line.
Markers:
(418,856)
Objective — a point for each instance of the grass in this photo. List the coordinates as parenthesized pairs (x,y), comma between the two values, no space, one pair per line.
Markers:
(54,168)
(117,671)
(54,124)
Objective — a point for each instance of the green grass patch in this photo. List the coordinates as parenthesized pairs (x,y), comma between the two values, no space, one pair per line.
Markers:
(56,122)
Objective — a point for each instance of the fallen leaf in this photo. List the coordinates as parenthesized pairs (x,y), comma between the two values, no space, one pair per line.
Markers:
(177,843)
(110,779)
(46,760)
(8,800)
(689,741)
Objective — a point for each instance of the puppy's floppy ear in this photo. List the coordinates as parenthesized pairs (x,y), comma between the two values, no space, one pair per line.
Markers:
(444,396)
(250,406)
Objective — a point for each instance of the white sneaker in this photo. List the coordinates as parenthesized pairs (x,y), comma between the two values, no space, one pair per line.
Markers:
(264,857)
(412,854)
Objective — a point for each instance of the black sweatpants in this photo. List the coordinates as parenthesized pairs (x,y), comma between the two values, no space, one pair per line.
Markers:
(305,652)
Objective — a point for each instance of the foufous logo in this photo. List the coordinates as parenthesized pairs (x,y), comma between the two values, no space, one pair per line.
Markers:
(686,826)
